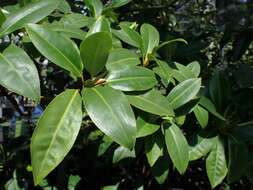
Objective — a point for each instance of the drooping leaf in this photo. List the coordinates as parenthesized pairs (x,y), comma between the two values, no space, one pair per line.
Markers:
(129,36)
(216,165)
(200,145)
(121,153)
(101,25)
(160,170)
(206,103)
(131,78)
(53,46)
(177,147)
(121,57)
(170,42)
(150,38)
(110,111)
(153,148)
(184,92)
(55,133)
(19,73)
(96,7)
(31,13)
(201,115)
(145,128)
(237,160)
(95,50)
(152,102)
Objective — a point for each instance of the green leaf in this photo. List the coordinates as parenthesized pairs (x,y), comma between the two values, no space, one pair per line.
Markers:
(170,42)
(2,17)
(32,13)
(95,50)
(129,36)
(111,187)
(184,92)
(153,148)
(201,115)
(145,128)
(101,25)
(55,133)
(150,39)
(53,46)
(131,79)
(121,153)
(194,67)
(177,147)
(76,20)
(182,73)
(161,170)
(20,74)
(121,57)
(119,121)
(96,7)
(64,6)
(152,102)
(119,3)
(216,165)
(219,90)
(238,160)
(208,104)
(164,71)
(73,181)
(200,145)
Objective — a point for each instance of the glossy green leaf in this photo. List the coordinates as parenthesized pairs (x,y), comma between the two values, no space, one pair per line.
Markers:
(76,20)
(19,73)
(2,17)
(152,102)
(182,73)
(96,7)
(121,57)
(201,145)
(153,148)
(131,79)
(119,3)
(194,67)
(95,50)
(101,25)
(177,147)
(160,170)
(184,92)
(237,160)
(145,128)
(31,13)
(201,115)
(110,111)
(73,181)
(53,46)
(164,71)
(129,36)
(150,38)
(216,166)
(55,133)
(170,42)
(121,153)
(208,104)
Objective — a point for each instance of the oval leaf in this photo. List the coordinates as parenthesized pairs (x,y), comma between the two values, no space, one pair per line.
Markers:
(121,57)
(111,113)
(95,50)
(31,13)
(184,92)
(152,102)
(20,74)
(150,38)
(131,79)
(145,128)
(216,166)
(53,46)
(177,147)
(201,115)
(55,133)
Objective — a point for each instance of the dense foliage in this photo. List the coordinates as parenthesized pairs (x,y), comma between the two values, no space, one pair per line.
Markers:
(134,94)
